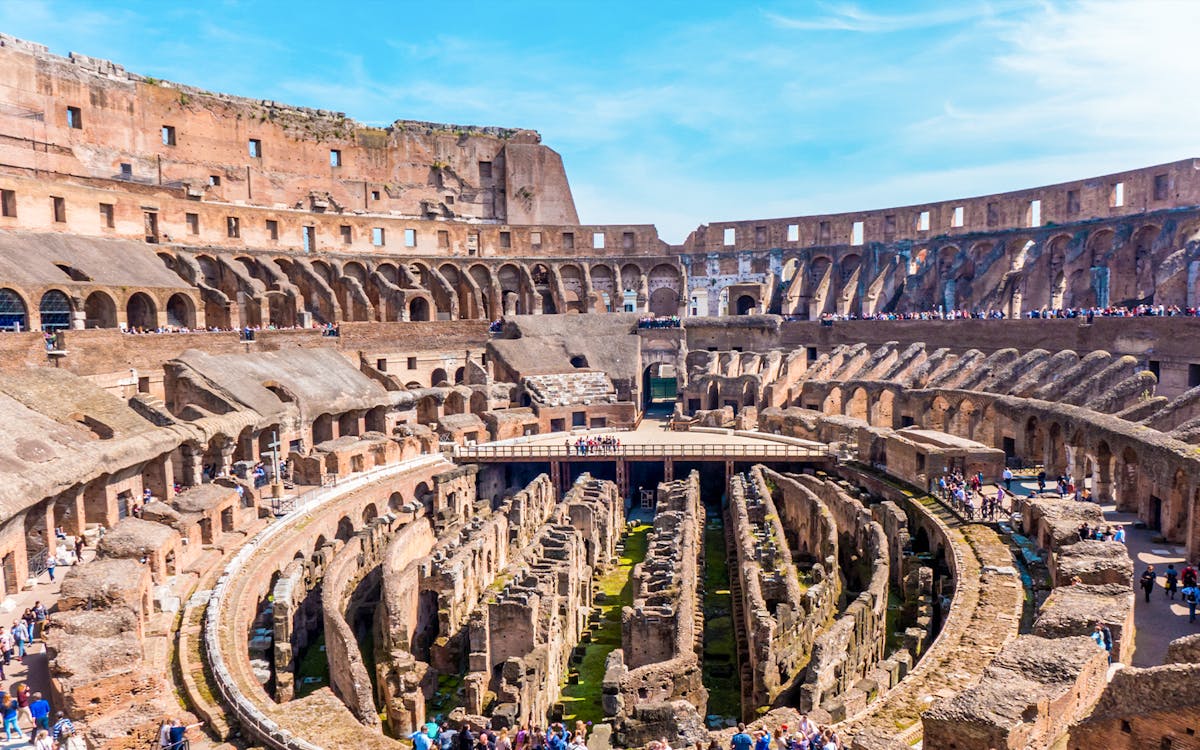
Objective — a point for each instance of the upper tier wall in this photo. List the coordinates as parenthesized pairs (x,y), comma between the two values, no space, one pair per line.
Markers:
(83,116)
(1173,185)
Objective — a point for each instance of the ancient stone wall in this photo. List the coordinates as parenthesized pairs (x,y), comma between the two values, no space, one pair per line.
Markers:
(523,634)
(781,530)
(656,675)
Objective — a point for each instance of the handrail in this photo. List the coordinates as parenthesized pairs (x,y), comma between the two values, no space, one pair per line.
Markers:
(658,450)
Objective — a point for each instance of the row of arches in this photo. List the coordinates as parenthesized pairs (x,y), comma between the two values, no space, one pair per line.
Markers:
(57,310)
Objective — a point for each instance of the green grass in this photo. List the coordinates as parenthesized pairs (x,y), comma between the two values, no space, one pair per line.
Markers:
(312,664)
(581,701)
(721,675)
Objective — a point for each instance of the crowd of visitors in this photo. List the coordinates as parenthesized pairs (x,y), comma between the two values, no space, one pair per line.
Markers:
(807,735)
(1045,313)
(966,495)
(653,321)
(594,446)
(555,737)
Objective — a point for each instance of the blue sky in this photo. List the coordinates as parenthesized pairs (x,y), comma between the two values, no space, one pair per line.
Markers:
(679,113)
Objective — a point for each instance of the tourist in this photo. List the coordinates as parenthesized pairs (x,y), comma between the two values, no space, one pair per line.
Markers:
(1147,581)
(1188,575)
(1119,534)
(420,739)
(40,709)
(1190,594)
(1098,637)
(50,565)
(1172,581)
(446,737)
(741,740)
(20,634)
(64,728)
(1008,477)
(466,738)
(42,741)
(164,732)
(10,710)
(23,701)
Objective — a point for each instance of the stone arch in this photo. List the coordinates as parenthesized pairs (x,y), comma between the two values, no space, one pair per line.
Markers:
(1175,510)
(141,311)
(849,265)
(746,304)
(1128,480)
(883,410)
(833,401)
(964,419)
(418,309)
(395,502)
(181,313)
(666,289)
(55,310)
(631,277)
(438,376)
(322,428)
(455,403)
(1131,273)
(858,405)
(14,313)
(99,310)
(1056,455)
(369,513)
(1034,448)
(604,286)
(345,529)
(939,412)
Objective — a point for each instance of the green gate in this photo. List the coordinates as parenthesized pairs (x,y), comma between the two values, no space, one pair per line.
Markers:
(663,389)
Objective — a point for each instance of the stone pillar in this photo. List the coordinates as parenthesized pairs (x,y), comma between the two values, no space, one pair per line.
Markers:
(226,448)
(73,514)
(622,477)
(193,465)
(668,470)
(47,524)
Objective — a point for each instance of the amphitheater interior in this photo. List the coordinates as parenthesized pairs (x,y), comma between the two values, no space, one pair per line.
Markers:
(359,428)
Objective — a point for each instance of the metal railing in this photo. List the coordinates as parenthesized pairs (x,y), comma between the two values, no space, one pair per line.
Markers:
(702,451)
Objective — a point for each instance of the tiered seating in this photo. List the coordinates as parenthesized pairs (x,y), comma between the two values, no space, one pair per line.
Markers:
(571,388)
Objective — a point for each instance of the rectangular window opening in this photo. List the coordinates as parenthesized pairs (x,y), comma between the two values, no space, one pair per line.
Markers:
(730,237)
(824,233)
(443,238)
(410,238)
(377,237)
(273,229)
(1072,202)
(993,214)
(126,171)
(60,208)
(1117,199)
(923,221)
(412,363)
(214,180)
(335,157)
(193,223)
(254,146)
(485,170)
(535,239)
(793,232)
(506,239)
(568,240)
(233,227)
(1035,213)
(956,219)
(310,239)
(106,215)
(168,135)
(856,233)
(1162,185)
(1193,375)
(8,203)
(374,195)
(74,118)
(628,240)
(598,240)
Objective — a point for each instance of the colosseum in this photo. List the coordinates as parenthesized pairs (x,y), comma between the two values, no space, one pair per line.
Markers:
(327,435)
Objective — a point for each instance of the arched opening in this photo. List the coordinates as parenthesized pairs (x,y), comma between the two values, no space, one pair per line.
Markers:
(395,502)
(99,311)
(437,377)
(13,315)
(141,312)
(664,302)
(348,423)
(579,362)
(858,407)
(455,403)
(746,304)
(322,429)
(180,313)
(370,513)
(460,375)
(418,309)
(55,311)
(376,419)
(345,529)
(660,387)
